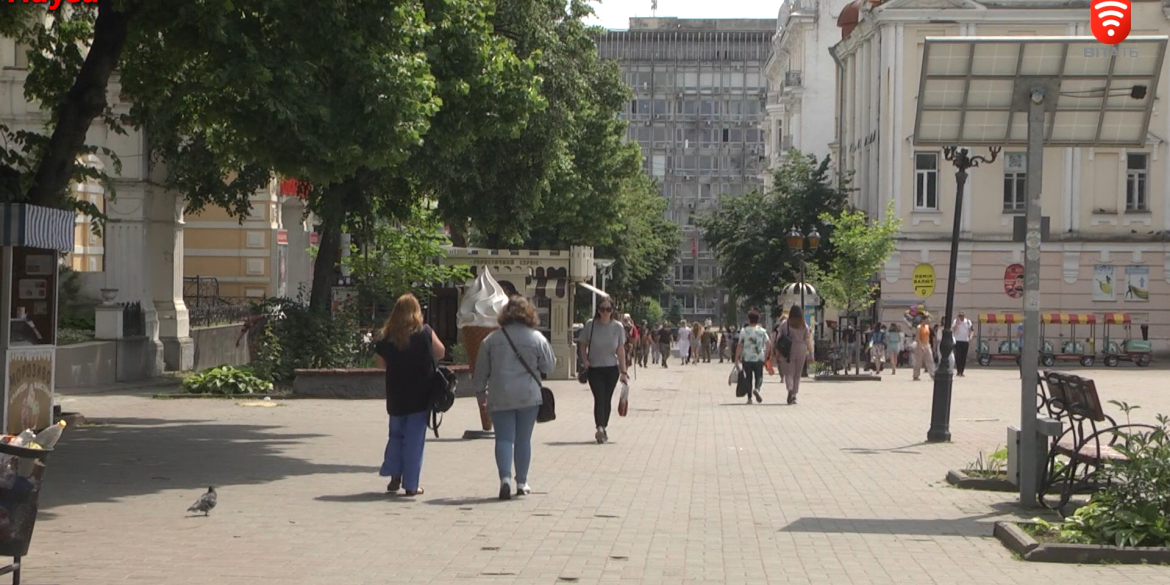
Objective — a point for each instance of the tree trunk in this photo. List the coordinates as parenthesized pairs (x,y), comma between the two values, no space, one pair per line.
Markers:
(320,296)
(85,101)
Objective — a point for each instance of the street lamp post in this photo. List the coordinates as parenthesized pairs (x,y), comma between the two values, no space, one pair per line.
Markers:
(940,412)
(796,242)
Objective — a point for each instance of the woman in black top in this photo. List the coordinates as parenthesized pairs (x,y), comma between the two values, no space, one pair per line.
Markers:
(407,350)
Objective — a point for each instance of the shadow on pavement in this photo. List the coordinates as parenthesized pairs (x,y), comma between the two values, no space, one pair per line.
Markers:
(366,497)
(120,458)
(468,501)
(979,525)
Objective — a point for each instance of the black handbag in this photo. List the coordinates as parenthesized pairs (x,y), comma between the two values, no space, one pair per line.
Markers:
(441,390)
(784,341)
(742,387)
(583,375)
(548,403)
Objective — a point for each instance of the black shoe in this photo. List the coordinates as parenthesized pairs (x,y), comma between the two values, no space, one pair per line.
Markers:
(505,491)
(791,399)
(759,399)
(394,485)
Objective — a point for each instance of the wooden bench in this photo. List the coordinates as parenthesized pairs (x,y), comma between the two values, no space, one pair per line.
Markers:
(1087,437)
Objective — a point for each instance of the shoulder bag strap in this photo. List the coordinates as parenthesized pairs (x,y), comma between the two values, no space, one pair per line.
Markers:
(521,358)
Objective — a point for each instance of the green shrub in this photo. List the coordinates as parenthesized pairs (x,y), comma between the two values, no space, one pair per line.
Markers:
(226,380)
(1134,509)
(459,354)
(296,337)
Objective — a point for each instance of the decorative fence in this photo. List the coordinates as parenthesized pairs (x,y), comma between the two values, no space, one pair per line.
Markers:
(206,307)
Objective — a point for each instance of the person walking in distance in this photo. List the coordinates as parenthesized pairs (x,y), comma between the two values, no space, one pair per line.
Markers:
(603,344)
(664,338)
(777,357)
(654,352)
(684,342)
(893,346)
(877,348)
(753,349)
(505,382)
(961,329)
(798,332)
(645,342)
(923,356)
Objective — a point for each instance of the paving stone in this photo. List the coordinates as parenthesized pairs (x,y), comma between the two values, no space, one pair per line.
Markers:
(695,487)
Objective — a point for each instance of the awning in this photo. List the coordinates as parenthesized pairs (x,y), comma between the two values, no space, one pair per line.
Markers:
(1069,318)
(556,286)
(1118,318)
(592,288)
(1001,318)
(33,226)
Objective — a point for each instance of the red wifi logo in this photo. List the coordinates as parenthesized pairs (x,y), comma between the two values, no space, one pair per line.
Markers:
(1111,20)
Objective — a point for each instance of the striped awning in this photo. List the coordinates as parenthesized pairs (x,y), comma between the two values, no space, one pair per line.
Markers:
(1001,318)
(33,226)
(1069,318)
(1117,319)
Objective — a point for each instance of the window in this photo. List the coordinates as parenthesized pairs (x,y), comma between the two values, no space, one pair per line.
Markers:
(1136,179)
(688,273)
(658,165)
(926,180)
(1015,182)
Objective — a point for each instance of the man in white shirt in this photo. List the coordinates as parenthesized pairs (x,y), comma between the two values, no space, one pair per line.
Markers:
(961,329)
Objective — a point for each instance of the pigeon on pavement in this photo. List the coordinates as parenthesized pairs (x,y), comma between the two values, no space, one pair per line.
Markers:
(205,502)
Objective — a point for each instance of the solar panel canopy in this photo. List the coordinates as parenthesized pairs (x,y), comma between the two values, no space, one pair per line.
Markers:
(974,91)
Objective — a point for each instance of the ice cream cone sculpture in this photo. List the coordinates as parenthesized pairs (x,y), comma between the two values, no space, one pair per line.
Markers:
(478,316)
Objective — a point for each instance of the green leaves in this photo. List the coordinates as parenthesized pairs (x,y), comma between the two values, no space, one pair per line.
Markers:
(749,232)
(226,380)
(861,247)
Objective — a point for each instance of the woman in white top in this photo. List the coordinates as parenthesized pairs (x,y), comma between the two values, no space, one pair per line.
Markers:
(684,342)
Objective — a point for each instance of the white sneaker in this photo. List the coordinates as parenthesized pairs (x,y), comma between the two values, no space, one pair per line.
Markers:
(599,436)
(522,489)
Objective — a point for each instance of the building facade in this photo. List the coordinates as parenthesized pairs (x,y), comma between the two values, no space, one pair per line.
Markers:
(1106,207)
(802,79)
(698,113)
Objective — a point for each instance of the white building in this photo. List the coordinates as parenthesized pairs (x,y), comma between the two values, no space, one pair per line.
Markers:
(1107,207)
(802,79)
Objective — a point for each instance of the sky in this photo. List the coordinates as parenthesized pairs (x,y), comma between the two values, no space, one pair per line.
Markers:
(615,14)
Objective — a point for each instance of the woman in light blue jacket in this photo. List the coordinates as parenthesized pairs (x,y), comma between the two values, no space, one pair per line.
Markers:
(509,391)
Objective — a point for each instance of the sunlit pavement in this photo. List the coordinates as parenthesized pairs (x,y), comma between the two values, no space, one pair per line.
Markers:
(695,487)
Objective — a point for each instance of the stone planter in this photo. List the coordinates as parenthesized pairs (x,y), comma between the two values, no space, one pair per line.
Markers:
(360,383)
(961,480)
(1022,543)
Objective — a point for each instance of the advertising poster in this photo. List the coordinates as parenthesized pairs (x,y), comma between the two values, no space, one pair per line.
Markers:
(1103,283)
(29,390)
(1013,281)
(1137,284)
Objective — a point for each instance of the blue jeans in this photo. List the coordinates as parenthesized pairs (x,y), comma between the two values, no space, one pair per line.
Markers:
(404,449)
(514,439)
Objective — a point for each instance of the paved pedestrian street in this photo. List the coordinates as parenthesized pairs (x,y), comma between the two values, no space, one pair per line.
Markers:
(695,487)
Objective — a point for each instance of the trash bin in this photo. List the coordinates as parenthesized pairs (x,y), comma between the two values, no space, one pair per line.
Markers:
(21,472)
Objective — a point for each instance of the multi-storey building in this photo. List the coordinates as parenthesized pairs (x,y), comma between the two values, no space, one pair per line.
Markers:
(697,112)
(802,80)
(1106,207)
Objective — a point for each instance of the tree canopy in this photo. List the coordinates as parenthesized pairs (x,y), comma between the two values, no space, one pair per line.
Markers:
(749,233)
(861,249)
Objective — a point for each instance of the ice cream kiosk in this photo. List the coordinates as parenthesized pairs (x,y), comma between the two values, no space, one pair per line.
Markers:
(546,277)
(33,238)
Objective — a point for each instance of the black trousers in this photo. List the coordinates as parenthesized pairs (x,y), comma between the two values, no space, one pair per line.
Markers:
(961,348)
(602,382)
(754,372)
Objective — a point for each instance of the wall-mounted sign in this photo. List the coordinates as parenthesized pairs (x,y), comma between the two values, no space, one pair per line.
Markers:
(282,237)
(1137,283)
(1103,283)
(1013,281)
(923,280)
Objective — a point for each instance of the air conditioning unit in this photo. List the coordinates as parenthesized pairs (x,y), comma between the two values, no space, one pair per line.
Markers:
(646,123)
(687,177)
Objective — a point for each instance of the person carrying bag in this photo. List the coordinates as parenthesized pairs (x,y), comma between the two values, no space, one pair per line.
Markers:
(512,392)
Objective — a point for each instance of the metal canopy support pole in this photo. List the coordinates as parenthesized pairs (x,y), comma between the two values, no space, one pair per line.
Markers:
(1030,353)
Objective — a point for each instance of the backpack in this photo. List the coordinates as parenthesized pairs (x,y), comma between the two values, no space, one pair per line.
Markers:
(784,341)
(441,387)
